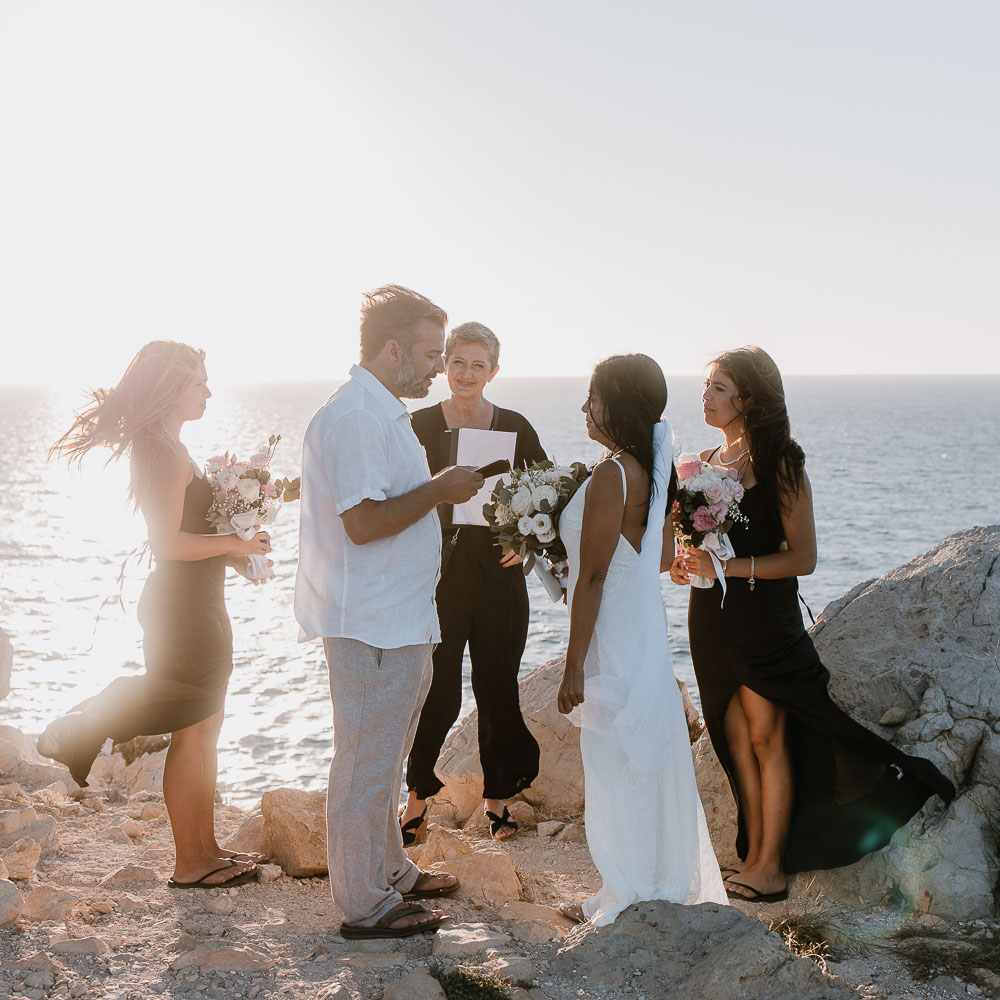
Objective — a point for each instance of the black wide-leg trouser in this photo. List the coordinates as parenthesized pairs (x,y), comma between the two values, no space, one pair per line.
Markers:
(485,607)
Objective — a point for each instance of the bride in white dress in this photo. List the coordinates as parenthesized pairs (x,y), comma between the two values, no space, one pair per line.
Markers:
(645,825)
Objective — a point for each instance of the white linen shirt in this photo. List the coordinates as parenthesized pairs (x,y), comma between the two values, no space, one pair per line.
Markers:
(360,445)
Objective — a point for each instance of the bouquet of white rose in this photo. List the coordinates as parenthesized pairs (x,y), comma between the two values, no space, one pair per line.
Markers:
(706,508)
(524,515)
(247,496)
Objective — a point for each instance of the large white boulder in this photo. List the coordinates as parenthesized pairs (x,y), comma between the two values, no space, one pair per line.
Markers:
(918,648)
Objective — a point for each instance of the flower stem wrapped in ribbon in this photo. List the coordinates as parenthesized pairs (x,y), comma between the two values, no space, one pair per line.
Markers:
(705,510)
(246,497)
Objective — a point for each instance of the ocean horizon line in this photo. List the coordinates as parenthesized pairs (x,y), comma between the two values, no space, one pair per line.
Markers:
(63,386)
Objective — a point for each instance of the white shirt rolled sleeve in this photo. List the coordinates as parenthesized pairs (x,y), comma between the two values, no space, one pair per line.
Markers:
(361,471)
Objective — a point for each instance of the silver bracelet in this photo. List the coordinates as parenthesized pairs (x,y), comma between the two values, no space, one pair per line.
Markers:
(751,581)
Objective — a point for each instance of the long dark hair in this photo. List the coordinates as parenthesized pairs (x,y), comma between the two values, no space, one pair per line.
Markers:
(778,460)
(633,393)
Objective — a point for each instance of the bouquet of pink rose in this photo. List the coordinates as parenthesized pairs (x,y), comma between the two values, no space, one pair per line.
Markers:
(705,510)
(246,496)
(524,515)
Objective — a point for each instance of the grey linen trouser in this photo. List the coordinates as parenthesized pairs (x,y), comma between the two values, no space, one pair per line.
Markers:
(377,695)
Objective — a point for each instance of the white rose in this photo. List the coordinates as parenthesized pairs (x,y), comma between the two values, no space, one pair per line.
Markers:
(544,494)
(240,467)
(548,536)
(248,489)
(541,524)
(520,502)
(525,525)
(228,479)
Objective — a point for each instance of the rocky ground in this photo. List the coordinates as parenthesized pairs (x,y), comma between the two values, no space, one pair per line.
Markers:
(97,920)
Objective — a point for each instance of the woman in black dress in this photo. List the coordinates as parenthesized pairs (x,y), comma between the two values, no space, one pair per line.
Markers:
(482,602)
(187,640)
(813,788)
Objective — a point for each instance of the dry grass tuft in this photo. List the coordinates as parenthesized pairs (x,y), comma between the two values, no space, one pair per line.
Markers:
(805,936)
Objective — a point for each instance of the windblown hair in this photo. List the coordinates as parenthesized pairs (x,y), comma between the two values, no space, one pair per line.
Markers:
(778,460)
(474,333)
(392,312)
(633,393)
(130,419)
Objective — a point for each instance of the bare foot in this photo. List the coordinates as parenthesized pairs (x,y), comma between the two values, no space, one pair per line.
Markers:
(497,806)
(412,919)
(574,911)
(210,871)
(413,809)
(430,884)
(751,883)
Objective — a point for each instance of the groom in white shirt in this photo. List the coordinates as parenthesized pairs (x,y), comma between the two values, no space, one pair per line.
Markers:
(369,560)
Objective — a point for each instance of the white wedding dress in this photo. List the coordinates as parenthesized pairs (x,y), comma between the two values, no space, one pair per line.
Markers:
(645,825)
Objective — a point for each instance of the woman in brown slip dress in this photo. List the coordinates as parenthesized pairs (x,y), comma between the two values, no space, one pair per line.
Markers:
(187,639)
(814,788)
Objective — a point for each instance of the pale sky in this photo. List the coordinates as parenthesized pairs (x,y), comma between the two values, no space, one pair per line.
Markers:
(585,178)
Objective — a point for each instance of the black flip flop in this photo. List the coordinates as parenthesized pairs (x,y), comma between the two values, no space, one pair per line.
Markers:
(445,890)
(758,896)
(381,928)
(244,876)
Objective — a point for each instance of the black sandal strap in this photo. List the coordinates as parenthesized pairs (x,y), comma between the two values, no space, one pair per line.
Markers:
(498,821)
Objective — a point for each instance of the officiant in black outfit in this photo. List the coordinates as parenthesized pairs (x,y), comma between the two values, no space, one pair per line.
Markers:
(482,602)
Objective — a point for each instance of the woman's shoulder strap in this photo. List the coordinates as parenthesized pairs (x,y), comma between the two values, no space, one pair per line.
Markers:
(621,469)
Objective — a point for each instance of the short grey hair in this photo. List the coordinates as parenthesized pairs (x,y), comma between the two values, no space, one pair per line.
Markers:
(474,333)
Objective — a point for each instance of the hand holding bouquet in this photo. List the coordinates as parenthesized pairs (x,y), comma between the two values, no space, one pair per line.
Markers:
(524,514)
(246,497)
(705,510)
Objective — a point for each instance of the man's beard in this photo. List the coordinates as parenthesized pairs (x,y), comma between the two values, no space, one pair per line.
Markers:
(408,383)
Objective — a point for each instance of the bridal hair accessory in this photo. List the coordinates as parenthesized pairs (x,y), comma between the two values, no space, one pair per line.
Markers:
(706,508)
(246,495)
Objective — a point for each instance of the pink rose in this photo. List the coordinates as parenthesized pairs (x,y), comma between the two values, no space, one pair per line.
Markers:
(269,490)
(689,469)
(733,489)
(713,492)
(259,461)
(719,511)
(702,520)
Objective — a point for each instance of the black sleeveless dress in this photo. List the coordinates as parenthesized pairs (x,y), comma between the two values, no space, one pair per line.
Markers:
(188,652)
(852,788)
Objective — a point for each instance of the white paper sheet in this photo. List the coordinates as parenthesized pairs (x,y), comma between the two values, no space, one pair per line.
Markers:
(477,448)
